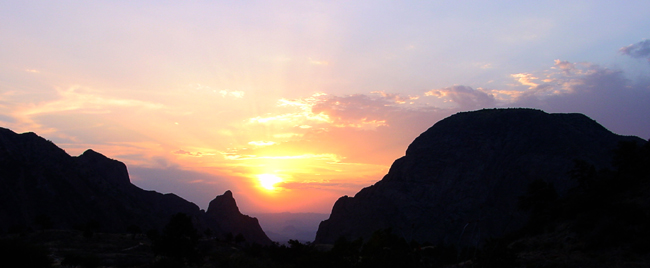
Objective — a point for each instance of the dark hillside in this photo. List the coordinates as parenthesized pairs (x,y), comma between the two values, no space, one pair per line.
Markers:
(460,180)
(42,187)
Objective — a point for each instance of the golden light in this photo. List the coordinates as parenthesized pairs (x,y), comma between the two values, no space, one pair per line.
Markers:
(268,181)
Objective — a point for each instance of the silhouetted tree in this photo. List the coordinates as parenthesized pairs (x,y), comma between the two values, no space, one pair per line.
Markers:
(583,172)
(18,254)
(178,240)
(229,237)
(239,238)
(348,249)
(384,249)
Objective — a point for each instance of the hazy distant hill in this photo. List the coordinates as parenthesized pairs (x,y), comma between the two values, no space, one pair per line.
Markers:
(281,227)
(41,186)
(460,181)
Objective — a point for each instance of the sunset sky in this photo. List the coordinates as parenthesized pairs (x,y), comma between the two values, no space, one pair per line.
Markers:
(292,104)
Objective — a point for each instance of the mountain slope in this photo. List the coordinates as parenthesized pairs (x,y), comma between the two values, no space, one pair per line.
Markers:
(40,180)
(225,207)
(460,180)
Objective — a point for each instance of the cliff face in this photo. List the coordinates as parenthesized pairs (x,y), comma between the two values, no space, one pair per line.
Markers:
(459,181)
(38,179)
(224,213)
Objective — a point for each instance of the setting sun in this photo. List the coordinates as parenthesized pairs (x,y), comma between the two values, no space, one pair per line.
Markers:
(268,181)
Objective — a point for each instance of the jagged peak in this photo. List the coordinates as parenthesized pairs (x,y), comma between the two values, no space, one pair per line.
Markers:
(92,154)
(223,204)
(111,170)
(228,194)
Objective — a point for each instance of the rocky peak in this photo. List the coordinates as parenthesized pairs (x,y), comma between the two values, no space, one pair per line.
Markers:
(223,205)
(224,214)
(31,148)
(103,168)
(460,180)
(40,179)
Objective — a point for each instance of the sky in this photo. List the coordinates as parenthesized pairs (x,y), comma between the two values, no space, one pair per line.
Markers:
(293,104)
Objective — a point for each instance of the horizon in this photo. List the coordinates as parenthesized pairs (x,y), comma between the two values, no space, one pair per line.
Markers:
(293,105)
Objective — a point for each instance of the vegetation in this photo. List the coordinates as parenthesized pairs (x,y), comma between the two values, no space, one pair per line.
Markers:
(17,253)
(605,218)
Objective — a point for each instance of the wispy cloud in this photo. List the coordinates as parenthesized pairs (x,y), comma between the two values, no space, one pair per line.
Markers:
(329,157)
(73,99)
(465,97)
(526,79)
(183,152)
(318,62)
(238,94)
(640,50)
(261,143)
(602,93)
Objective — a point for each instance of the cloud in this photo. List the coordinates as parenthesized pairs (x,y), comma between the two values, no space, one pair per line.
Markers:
(465,97)
(332,158)
(604,94)
(301,114)
(561,79)
(261,143)
(326,185)
(483,65)
(321,111)
(183,152)
(565,66)
(237,94)
(72,100)
(526,79)
(318,62)
(640,50)
(357,111)
(397,98)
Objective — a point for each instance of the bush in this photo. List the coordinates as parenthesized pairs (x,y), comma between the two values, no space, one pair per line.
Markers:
(178,240)
(18,254)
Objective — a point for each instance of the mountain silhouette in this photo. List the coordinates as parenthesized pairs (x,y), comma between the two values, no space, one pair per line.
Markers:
(460,181)
(39,180)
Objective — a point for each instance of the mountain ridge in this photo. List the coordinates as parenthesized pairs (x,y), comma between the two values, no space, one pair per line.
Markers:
(459,181)
(41,180)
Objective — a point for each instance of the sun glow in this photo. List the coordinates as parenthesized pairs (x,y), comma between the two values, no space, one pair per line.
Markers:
(268,181)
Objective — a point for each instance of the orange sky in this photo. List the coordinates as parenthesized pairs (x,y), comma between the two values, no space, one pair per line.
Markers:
(202,97)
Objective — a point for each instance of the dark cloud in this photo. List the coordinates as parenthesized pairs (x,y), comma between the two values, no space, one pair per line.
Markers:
(640,50)
(604,94)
